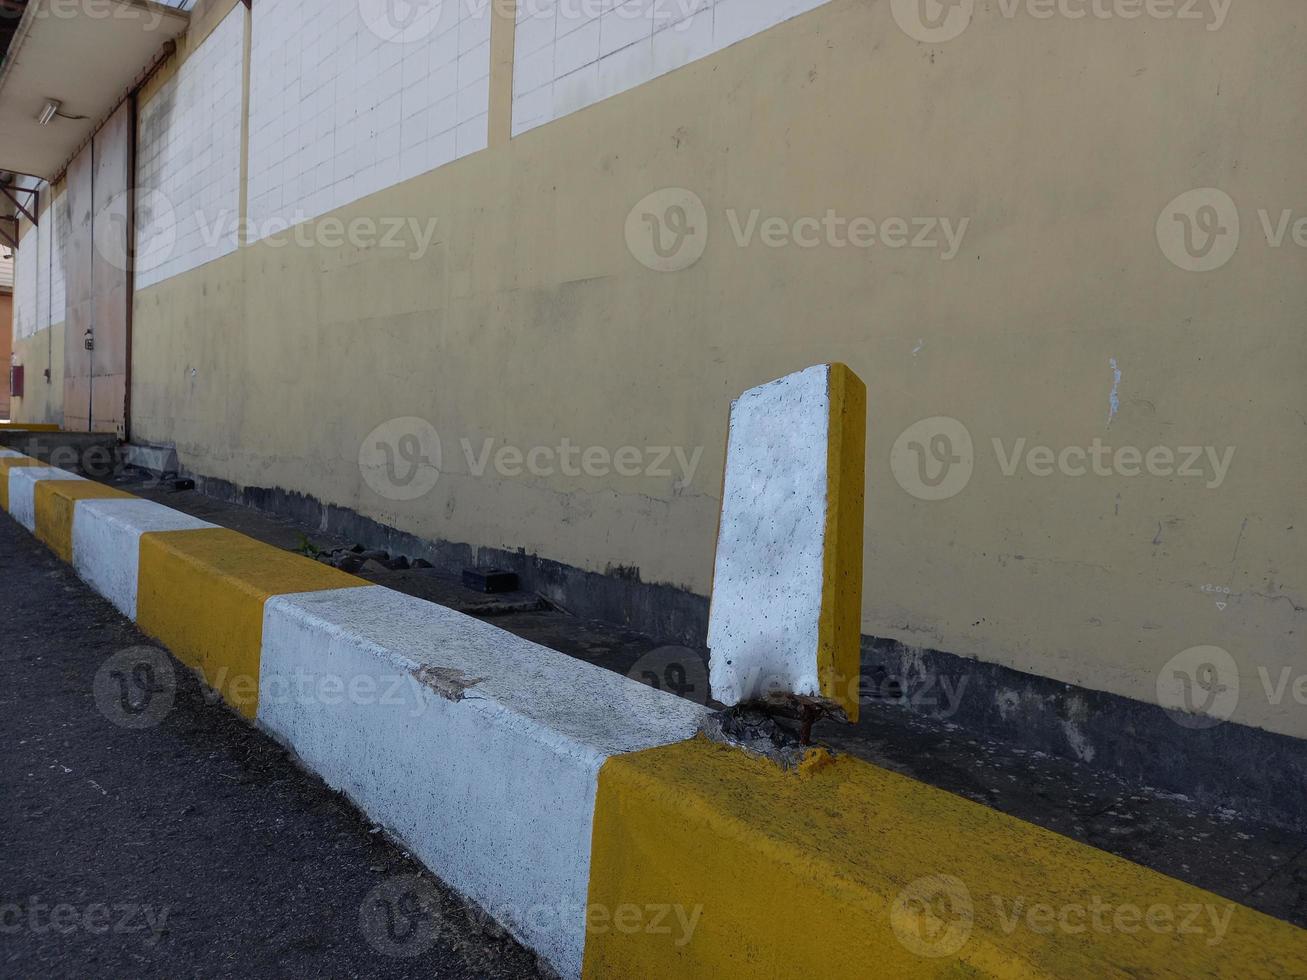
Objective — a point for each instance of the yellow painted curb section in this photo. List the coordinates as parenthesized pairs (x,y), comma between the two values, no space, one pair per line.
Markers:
(30,426)
(6,464)
(842,869)
(55,501)
(839,628)
(201,594)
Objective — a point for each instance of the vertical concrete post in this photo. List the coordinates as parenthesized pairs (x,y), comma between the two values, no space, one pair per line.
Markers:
(785,621)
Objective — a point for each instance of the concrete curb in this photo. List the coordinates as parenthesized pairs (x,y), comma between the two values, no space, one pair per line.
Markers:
(860,872)
(580,809)
(436,724)
(107,544)
(23,481)
(501,737)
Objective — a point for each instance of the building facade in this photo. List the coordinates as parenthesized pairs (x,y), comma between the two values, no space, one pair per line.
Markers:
(490,274)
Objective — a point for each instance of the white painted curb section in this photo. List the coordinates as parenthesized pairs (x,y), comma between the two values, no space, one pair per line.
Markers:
(107,543)
(22,490)
(481,750)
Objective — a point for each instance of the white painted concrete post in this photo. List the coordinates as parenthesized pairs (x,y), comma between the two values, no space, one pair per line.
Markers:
(785,621)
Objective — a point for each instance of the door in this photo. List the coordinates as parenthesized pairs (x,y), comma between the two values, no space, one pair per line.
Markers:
(99,279)
(77,319)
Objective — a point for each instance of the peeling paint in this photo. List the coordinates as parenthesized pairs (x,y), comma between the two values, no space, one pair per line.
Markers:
(1114,399)
(1078,741)
(449,683)
(757,733)
(1008,702)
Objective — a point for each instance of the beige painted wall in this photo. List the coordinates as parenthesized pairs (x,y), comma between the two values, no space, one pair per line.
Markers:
(41,402)
(1060,140)
(6,348)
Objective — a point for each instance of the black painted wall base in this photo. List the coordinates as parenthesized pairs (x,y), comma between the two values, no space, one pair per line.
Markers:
(665,612)
(1258,773)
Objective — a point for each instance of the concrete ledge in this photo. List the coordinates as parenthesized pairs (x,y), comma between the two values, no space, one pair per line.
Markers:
(54,502)
(153,459)
(23,479)
(481,750)
(844,869)
(10,460)
(106,543)
(201,594)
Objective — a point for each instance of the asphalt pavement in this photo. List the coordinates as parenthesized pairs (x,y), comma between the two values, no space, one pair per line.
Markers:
(147,832)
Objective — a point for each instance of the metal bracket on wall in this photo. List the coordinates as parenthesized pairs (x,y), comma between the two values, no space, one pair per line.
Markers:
(33,199)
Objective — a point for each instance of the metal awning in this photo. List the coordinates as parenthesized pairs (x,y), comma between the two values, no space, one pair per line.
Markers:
(84,56)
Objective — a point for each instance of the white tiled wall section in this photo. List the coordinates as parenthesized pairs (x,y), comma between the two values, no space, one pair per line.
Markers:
(50,296)
(572,53)
(350,99)
(39,299)
(188,159)
(26,281)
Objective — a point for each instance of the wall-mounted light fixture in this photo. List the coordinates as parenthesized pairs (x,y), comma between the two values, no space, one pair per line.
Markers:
(49,112)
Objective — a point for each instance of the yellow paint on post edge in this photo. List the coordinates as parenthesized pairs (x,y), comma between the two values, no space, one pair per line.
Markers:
(843,869)
(201,593)
(6,464)
(55,504)
(839,630)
